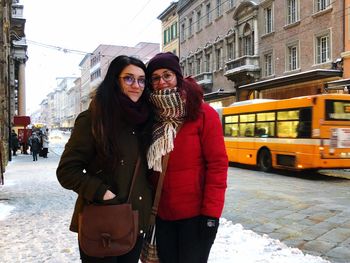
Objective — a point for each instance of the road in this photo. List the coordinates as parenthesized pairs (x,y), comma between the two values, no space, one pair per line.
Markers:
(310,211)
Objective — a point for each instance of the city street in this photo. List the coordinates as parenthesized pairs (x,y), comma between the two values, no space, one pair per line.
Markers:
(309,215)
(309,211)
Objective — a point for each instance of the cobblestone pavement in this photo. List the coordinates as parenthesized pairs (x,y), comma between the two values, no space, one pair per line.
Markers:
(307,211)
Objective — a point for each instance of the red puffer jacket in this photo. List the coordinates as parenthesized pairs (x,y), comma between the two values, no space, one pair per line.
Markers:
(195,181)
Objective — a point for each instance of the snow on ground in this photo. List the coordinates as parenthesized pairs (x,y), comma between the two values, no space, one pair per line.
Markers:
(35,214)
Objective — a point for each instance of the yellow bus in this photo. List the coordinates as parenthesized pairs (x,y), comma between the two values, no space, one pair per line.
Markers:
(310,132)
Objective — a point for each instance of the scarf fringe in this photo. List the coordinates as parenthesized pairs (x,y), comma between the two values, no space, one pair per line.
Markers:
(161,147)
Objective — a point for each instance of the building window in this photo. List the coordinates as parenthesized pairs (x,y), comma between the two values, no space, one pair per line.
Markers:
(96,74)
(190,69)
(199,21)
(292,11)
(230,51)
(166,36)
(231,4)
(208,14)
(218,8)
(268,67)
(190,27)
(207,63)
(182,33)
(95,60)
(170,33)
(268,20)
(248,43)
(218,58)
(322,49)
(293,63)
(198,66)
(174,31)
(321,5)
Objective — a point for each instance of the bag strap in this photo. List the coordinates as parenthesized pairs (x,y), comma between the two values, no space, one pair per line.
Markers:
(165,160)
(136,171)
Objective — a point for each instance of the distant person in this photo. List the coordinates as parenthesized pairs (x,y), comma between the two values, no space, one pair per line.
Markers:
(45,141)
(34,142)
(194,186)
(100,157)
(14,142)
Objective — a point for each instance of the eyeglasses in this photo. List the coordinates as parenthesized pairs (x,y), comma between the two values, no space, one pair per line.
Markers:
(167,76)
(130,80)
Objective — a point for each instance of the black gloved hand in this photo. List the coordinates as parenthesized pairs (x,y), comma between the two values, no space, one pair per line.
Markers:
(208,226)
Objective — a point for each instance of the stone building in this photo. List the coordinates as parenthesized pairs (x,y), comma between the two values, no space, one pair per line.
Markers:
(346,53)
(13,56)
(94,65)
(263,48)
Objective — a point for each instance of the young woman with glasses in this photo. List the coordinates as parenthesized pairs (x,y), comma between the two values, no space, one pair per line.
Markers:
(99,159)
(194,185)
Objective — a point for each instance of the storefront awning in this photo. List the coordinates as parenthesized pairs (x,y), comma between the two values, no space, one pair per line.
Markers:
(297,78)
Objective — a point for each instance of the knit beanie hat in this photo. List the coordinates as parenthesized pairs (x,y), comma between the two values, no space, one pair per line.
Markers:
(164,60)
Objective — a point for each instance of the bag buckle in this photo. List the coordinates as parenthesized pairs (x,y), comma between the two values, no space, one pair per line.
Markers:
(106,240)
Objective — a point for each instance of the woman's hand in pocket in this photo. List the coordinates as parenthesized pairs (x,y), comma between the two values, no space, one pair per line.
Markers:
(108,195)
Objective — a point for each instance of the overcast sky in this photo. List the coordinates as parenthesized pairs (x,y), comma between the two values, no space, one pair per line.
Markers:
(77,26)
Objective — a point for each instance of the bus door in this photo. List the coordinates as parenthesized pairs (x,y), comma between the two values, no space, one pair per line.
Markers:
(335,132)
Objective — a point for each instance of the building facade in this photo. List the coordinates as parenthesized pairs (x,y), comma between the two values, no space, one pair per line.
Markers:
(170,29)
(263,48)
(73,95)
(13,56)
(206,42)
(346,53)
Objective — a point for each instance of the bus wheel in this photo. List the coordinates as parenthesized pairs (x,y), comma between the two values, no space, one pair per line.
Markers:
(265,160)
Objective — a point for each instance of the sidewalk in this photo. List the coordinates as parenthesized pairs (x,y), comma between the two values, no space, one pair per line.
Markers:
(36,229)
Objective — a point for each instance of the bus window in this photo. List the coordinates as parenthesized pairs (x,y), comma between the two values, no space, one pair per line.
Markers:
(231,130)
(247,117)
(265,125)
(265,116)
(288,115)
(265,129)
(337,110)
(231,125)
(287,129)
(231,119)
(246,129)
(304,125)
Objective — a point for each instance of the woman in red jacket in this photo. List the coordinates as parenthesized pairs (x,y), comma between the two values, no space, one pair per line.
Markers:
(194,186)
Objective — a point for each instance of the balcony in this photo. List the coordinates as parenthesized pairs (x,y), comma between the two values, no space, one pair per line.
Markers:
(205,78)
(246,66)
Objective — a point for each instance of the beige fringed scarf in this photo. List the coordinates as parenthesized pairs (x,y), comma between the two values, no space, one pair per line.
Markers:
(170,113)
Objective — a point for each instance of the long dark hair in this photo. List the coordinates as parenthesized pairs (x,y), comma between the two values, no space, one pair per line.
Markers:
(193,94)
(106,109)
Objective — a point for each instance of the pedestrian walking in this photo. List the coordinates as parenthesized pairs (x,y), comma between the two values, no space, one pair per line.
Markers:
(14,142)
(34,143)
(193,192)
(99,159)
(45,139)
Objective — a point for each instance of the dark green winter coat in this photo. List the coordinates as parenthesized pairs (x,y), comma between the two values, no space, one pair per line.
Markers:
(79,170)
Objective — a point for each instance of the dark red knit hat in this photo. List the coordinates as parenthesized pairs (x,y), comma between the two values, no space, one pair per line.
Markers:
(164,60)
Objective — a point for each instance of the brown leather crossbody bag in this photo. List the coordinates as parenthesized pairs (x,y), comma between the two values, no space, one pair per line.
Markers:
(109,230)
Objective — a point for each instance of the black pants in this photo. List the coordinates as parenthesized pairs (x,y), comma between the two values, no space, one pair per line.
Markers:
(45,151)
(130,257)
(35,155)
(180,241)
